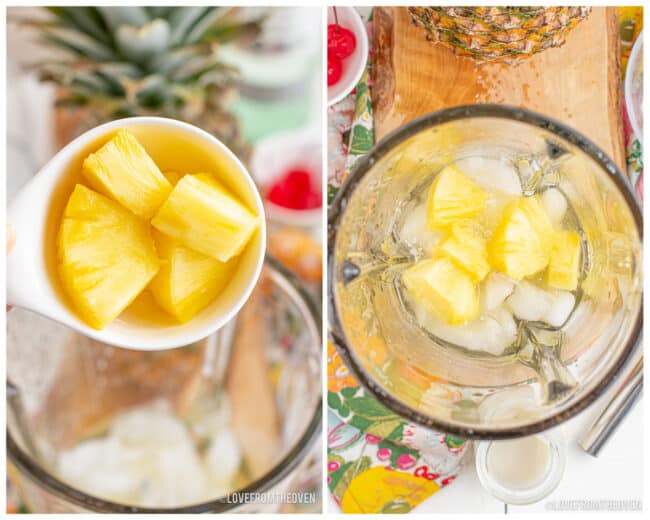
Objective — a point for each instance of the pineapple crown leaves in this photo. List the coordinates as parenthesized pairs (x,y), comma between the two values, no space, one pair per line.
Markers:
(131,60)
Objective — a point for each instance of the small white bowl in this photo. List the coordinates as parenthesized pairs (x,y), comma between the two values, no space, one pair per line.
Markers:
(35,212)
(634,87)
(276,154)
(354,65)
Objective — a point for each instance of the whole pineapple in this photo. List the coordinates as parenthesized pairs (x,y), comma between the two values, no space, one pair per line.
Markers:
(129,61)
(498,33)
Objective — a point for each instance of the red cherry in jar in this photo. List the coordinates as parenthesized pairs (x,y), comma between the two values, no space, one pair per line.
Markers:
(341,42)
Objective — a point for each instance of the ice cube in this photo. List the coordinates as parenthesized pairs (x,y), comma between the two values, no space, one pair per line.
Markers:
(507,322)
(491,174)
(223,457)
(528,302)
(492,333)
(563,303)
(101,467)
(554,204)
(414,231)
(494,290)
(153,424)
(176,477)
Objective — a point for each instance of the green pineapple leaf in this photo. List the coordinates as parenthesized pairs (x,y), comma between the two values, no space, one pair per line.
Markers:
(140,44)
(115,17)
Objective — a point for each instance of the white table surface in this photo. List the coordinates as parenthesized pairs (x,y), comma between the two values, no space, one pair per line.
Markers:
(616,474)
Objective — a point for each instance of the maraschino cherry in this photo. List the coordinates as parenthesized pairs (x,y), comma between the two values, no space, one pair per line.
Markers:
(341,43)
(334,70)
(295,190)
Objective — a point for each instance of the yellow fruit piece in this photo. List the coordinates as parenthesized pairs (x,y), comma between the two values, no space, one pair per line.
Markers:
(123,171)
(187,281)
(453,197)
(564,262)
(172,177)
(445,290)
(204,216)
(106,256)
(468,249)
(538,217)
(520,245)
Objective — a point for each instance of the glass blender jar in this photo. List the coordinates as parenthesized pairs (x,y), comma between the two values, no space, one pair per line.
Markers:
(551,373)
(76,405)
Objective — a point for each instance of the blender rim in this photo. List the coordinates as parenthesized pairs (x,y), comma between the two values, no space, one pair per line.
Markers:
(337,210)
(25,464)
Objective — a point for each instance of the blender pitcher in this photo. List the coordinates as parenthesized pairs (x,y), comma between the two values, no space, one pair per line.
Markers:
(94,428)
(550,373)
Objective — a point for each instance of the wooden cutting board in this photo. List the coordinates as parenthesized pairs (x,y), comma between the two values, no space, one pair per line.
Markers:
(578,83)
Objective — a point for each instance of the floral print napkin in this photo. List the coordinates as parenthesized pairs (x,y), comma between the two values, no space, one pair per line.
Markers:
(378,462)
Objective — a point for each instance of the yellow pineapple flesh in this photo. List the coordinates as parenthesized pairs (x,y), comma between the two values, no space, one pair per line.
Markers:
(468,249)
(564,263)
(187,281)
(123,171)
(521,241)
(453,197)
(204,216)
(443,289)
(106,256)
(172,177)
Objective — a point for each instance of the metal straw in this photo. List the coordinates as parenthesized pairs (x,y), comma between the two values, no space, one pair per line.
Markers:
(617,408)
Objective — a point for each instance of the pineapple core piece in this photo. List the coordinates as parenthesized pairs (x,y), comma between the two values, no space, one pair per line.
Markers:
(443,289)
(106,256)
(564,262)
(520,245)
(469,250)
(187,281)
(123,171)
(453,197)
(202,215)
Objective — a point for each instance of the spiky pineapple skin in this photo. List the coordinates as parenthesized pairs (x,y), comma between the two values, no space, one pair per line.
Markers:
(508,34)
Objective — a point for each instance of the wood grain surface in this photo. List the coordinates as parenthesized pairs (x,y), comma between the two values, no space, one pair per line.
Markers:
(578,83)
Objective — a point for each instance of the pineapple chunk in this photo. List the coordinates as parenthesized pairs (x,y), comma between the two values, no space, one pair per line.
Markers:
(564,262)
(123,171)
(187,281)
(453,197)
(204,216)
(106,256)
(520,243)
(443,289)
(469,250)
(172,177)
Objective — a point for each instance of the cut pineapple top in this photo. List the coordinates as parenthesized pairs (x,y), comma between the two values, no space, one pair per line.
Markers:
(453,197)
(187,281)
(106,256)
(443,289)
(520,245)
(204,216)
(468,249)
(123,171)
(564,263)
